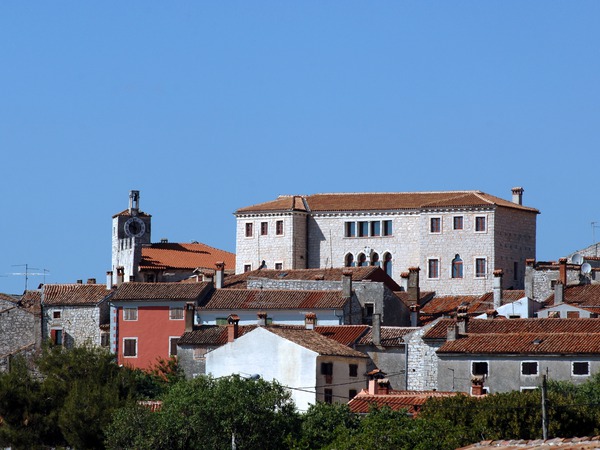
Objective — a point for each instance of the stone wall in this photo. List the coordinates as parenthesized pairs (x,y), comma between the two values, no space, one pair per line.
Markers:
(422,373)
(192,359)
(17,327)
(80,324)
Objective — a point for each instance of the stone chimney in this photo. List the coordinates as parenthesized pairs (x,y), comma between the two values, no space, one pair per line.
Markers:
(517,195)
(562,270)
(462,320)
(190,312)
(219,274)
(347,283)
(91,281)
(310,320)
(109,276)
(559,293)
(120,275)
(414,293)
(233,321)
(491,313)
(404,281)
(262,319)
(452,332)
(376,330)
(498,273)
(415,320)
(529,277)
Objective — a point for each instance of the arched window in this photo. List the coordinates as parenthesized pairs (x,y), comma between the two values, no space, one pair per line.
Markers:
(362,260)
(375,260)
(457,267)
(349,260)
(387,263)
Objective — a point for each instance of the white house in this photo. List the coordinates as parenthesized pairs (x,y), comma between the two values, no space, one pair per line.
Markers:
(313,367)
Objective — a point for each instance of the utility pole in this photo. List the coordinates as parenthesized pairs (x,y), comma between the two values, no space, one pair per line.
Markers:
(544,406)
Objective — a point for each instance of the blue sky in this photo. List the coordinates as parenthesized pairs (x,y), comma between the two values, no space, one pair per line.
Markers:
(206,107)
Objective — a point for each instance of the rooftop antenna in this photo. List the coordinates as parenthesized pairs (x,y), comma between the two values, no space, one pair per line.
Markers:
(28,274)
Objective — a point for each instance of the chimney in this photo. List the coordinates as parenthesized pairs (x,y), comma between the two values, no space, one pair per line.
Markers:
(219,274)
(109,275)
(462,320)
(404,281)
(378,384)
(131,278)
(517,195)
(347,283)
(91,281)
(491,313)
(120,276)
(414,315)
(262,319)
(498,288)
(232,327)
(414,293)
(190,312)
(559,293)
(529,277)
(164,241)
(452,333)
(376,330)
(79,281)
(477,385)
(562,270)
(310,320)
(134,202)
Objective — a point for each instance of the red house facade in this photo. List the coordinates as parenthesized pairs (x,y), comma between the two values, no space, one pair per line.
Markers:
(147,319)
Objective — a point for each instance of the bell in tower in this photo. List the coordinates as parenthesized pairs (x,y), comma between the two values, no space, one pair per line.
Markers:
(134,202)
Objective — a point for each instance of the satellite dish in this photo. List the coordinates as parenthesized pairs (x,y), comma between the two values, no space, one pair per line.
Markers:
(586,268)
(577,259)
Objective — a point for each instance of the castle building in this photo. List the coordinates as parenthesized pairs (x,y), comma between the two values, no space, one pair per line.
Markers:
(456,238)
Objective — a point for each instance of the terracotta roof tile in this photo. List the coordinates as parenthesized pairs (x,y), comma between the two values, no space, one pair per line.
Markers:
(484,326)
(31,300)
(268,299)
(344,334)
(390,336)
(395,400)
(213,335)
(160,291)
(371,201)
(10,298)
(314,341)
(282,203)
(583,295)
(370,273)
(184,256)
(74,294)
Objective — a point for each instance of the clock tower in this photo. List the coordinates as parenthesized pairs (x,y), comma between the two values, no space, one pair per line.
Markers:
(130,232)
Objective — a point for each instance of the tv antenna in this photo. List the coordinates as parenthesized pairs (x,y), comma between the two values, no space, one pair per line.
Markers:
(28,274)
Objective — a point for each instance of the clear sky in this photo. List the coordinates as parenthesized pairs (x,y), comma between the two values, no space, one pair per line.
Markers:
(206,107)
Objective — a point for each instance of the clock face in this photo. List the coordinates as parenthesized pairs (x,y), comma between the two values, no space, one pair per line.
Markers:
(135,227)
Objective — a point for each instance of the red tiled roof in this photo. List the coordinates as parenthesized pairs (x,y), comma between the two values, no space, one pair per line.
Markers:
(581,295)
(160,291)
(184,256)
(8,297)
(395,400)
(424,297)
(314,341)
(282,203)
(74,294)
(484,326)
(127,213)
(371,201)
(390,336)
(213,335)
(276,299)
(370,273)
(525,343)
(576,443)
(31,300)
(344,334)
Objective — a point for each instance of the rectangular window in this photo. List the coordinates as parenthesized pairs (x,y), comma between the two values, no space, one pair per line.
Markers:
(130,314)
(173,346)
(515,270)
(176,313)
(278,266)
(433,268)
(363,229)
(387,228)
(353,370)
(580,368)
(279,227)
(458,222)
(572,314)
(351,394)
(130,347)
(480,224)
(326,368)
(264,228)
(529,368)
(480,267)
(104,339)
(247,267)
(435,225)
(56,314)
(375,228)
(369,309)
(350,229)
(328,396)
(249,229)
(479,368)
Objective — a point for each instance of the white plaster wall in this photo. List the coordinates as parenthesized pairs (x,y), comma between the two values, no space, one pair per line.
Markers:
(273,358)
(524,308)
(294,317)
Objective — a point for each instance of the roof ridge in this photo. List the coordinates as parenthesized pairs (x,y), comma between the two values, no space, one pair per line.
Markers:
(465,192)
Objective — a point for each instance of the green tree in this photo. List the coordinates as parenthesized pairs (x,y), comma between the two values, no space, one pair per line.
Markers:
(323,422)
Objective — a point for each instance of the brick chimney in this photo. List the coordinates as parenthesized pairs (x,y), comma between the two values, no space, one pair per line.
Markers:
(233,321)
(310,320)
(347,283)
(262,319)
(477,385)
(562,270)
(414,293)
(559,293)
(376,329)
(378,383)
(219,274)
(190,312)
(517,195)
(497,288)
